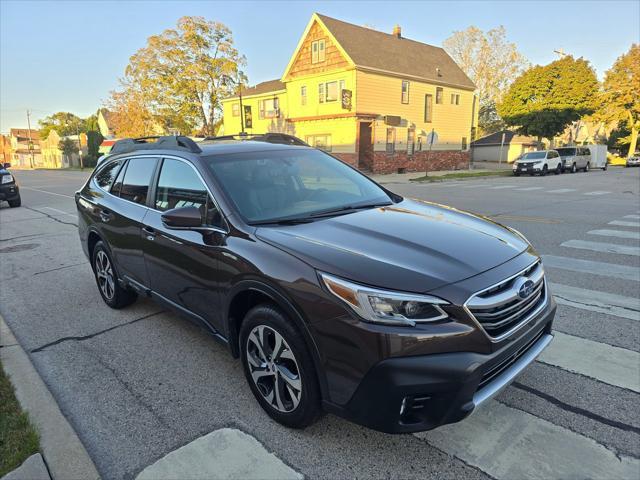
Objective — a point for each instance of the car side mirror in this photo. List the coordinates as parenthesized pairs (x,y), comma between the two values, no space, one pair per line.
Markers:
(182,218)
(7,165)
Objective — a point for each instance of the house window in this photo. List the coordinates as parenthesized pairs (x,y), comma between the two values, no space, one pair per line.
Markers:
(303,95)
(317,51)
(428,108)
(455,99)
(411,141)
(269,108)
(464,143)
(235,109)
(323,142)
(405,91)
(329,92)
(439,95)
(391,140)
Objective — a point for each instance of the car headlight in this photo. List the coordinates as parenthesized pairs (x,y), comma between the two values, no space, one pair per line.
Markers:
(386,307)
(7,179)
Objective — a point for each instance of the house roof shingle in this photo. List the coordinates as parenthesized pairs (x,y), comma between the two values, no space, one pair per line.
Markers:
(24,133)
(260,88)
(509,138)
(386,52)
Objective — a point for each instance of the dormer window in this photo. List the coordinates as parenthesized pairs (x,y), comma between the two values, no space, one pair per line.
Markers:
(318,51)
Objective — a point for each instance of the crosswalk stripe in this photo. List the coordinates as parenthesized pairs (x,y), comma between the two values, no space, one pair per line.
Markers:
(597,192)
(562,190)
(505,442)
(595,301)
(501,187)
(602,247)
(622,223)
(606,363)
(616,233)
(528,189)
(632,216)
(623,272)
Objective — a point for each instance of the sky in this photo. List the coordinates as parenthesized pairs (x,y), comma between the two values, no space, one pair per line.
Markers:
(68,55)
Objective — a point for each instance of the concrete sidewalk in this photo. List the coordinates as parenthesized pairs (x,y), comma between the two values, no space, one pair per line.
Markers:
(63,452)
(406,177)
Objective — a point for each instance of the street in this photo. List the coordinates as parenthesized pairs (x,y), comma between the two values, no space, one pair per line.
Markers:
(141,382)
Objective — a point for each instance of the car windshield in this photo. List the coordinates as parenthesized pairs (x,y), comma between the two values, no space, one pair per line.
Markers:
(566,152)
(534,155)
(272,186)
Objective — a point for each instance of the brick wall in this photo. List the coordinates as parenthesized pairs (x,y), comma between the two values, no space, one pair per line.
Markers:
(439,160)
(350,158)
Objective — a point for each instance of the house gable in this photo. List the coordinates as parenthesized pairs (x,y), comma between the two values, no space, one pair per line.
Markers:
(301,62)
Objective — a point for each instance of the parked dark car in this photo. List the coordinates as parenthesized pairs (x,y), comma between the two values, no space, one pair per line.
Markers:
(9,189)
(338,295)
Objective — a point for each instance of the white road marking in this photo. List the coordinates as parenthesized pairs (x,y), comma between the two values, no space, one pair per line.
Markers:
(528,189)
(597,192)
(501,187)
(74,214)
(622,223)
(562,190)
(602,247)
(616,233)
(606,363)
(45,191)
(222,454)
(623,272)
(632,216)
(508,443)
(595,301)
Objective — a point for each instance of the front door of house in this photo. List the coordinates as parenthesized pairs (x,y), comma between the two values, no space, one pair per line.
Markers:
(365,146)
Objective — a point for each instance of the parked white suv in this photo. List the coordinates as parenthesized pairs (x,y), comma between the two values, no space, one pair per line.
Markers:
(540,162)
(575,158)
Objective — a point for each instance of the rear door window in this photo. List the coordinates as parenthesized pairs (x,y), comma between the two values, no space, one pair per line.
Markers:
(104,178)
(137,178)
(117,184)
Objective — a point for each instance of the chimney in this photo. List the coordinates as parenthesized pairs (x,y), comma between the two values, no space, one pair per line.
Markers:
(397,31)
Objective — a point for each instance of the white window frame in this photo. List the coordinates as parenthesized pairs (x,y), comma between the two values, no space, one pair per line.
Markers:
(235,109)
(405,92)
(318,51)
(274,112)
(303,95)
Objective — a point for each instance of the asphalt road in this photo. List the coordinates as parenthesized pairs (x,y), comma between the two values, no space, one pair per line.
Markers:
(141,382)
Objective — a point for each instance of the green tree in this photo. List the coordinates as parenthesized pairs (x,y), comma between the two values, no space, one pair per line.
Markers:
(180,75)
(621,96)
(67,146)
(492,63)
(91,123)
(94,140)
(64,123)
(544,100)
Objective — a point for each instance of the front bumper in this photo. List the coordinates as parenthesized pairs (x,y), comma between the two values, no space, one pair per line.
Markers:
(9,191)
(417,393)
(520,168)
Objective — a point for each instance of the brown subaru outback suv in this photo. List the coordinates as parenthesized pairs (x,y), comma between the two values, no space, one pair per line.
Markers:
(336,294)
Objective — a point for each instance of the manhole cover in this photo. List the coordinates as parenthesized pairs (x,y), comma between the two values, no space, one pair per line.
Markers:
(19,248)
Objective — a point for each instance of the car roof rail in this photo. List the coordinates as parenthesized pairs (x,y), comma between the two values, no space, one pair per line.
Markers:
(269,137)
(168,142)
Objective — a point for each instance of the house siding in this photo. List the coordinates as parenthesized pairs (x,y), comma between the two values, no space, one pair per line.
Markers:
(333,57)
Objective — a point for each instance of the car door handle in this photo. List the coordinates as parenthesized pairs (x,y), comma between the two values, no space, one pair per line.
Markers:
(105,215)
(149,233)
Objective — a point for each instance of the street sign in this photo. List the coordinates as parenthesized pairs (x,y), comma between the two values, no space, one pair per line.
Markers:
(346,99)
(432,138)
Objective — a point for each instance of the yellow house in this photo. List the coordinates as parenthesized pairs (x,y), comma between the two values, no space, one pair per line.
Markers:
(370,98)
(52,156)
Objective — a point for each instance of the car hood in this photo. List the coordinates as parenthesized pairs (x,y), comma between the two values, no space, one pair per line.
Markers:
(411,246)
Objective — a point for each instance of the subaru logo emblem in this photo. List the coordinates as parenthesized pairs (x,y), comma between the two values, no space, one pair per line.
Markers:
(525,287)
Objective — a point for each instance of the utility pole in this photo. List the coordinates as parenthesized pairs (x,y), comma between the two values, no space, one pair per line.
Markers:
(80,148)
(241,107)
(30,140)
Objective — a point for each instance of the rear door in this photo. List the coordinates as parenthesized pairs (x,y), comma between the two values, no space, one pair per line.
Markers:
(183,264)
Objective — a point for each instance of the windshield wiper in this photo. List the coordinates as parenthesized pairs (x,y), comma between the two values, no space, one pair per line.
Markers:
(284,221)
(348,209)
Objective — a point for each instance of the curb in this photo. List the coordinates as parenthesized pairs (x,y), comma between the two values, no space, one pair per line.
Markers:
(61,448)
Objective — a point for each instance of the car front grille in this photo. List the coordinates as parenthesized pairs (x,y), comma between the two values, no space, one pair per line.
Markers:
(503,307)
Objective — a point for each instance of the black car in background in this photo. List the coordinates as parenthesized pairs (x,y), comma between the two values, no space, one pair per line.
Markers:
(9,190)
(337,294)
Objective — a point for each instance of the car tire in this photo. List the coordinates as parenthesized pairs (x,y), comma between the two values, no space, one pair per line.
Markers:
(559,169)
(545,170)
(285,382)
(106,276)
(587,167)
(573,168)
(516,174)
(15,202)
(604,169)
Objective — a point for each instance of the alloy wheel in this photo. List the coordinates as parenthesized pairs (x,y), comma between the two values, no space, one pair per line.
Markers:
(104,273)
(274,368)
